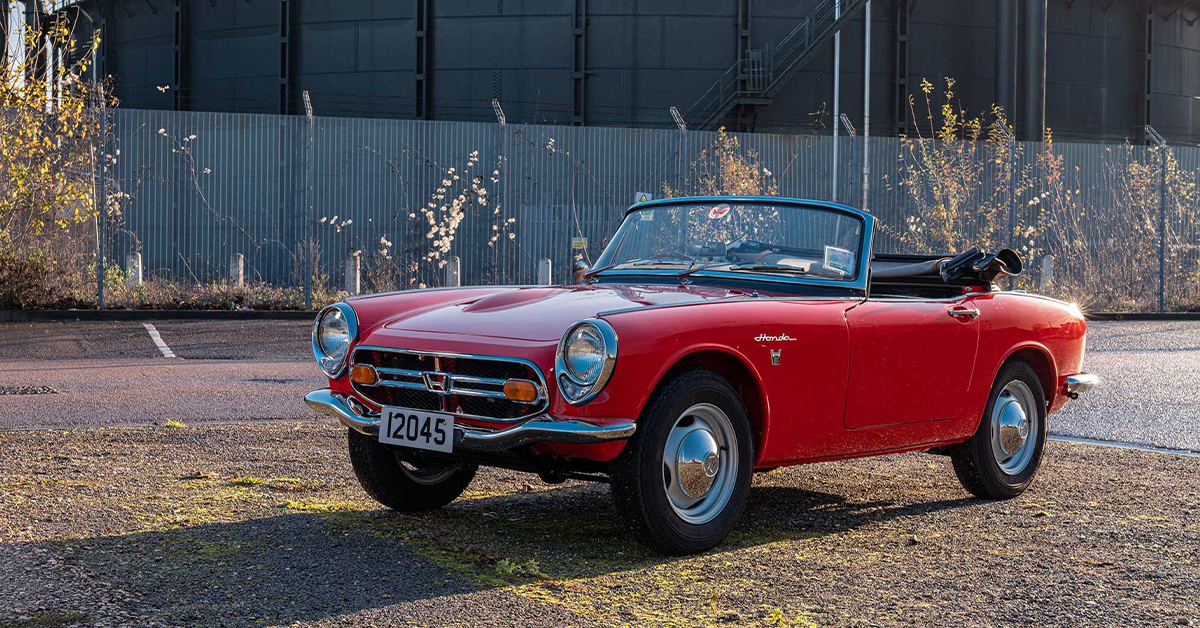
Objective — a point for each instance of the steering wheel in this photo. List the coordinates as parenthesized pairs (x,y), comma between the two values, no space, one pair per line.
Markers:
(665,254)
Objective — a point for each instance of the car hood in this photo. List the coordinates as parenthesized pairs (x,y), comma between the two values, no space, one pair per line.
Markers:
(541,313)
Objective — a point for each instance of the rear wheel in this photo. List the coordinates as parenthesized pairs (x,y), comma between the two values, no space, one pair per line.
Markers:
(400,485)
(1003,456)
(683,479)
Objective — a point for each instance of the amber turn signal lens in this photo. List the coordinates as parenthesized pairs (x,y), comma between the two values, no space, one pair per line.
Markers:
(520,390)
(363,374)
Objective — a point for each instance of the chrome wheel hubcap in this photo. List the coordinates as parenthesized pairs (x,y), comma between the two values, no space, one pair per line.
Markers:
(424,475)
(700,463)
(1014,419)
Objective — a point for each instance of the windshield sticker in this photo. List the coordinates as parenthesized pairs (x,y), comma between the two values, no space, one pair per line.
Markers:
(718,212)
(839,260)
(647,215)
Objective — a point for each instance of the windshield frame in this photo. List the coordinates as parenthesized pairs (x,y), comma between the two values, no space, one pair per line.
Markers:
(858,284)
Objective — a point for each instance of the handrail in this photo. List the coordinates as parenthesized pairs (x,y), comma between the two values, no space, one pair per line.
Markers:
(763,77)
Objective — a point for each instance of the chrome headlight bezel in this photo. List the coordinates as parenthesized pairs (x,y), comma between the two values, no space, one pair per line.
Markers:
(334,365)
(574,390)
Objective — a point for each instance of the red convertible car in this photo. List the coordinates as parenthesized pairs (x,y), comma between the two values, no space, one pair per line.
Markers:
(716,337)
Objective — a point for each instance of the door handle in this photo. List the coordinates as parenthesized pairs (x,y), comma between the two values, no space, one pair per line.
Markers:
(959,311)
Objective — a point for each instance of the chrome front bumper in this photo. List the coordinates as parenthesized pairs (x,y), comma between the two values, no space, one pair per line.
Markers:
(1080,383)
(540,429)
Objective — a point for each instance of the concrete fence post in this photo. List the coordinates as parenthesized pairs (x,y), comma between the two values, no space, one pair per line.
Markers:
(354,273)
(544,268)
(1046,276)
(237,270)
(133,269)
(453,272)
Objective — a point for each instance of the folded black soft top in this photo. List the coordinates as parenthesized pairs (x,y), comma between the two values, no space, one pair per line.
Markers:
(971,267)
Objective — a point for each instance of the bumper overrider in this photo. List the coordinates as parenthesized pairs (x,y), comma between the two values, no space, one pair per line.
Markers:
(1080,383)
(539,429)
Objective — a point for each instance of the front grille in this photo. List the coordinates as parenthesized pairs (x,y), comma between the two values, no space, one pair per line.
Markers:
(468,386)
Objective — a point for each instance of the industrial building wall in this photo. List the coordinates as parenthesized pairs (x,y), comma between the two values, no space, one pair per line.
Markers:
(633,59)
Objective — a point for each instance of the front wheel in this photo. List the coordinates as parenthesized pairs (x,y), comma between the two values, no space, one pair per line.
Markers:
(400,485)
(1000,460)
(683,479)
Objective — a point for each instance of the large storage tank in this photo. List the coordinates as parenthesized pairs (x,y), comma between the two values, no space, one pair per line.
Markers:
(1112,66)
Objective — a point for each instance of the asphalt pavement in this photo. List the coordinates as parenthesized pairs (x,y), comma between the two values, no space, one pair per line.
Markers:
(1150,374)
(112,373)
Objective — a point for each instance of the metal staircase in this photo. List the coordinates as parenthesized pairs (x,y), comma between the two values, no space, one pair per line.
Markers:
(761,72)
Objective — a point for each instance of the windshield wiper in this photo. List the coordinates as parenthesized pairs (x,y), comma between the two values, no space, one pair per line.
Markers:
(647,262)
(633,263)
(771,268)
(696,269)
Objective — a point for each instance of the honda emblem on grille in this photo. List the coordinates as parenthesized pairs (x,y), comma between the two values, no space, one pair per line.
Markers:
(436,382)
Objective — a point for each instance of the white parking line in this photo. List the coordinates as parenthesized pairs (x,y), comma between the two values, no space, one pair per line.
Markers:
(1120,445)
(158,341)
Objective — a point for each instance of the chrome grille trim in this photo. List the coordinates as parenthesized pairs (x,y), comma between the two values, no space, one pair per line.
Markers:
(459,385)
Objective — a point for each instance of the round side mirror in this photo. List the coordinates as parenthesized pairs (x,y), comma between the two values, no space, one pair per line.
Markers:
(578,270)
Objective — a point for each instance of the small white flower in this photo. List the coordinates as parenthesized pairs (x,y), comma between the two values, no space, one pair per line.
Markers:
(162,131)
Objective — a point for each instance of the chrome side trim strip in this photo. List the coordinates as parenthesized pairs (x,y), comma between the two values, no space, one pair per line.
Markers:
(541,429)
(641,308)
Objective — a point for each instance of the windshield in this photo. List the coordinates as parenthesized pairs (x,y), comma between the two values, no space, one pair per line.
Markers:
(741,237)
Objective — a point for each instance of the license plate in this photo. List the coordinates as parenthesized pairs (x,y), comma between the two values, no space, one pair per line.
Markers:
(419,429)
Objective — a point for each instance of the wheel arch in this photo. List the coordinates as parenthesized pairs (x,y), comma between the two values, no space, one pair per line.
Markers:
(1042,361)
(736,370)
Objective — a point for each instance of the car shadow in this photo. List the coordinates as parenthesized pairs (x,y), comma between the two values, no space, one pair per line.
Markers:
(305,565)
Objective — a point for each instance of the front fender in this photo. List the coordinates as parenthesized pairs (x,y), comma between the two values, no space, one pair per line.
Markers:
(800,401)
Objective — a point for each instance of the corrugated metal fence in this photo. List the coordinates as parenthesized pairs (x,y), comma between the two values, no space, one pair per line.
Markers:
(201,188)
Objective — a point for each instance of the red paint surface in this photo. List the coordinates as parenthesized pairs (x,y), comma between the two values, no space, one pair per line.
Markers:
(857,377)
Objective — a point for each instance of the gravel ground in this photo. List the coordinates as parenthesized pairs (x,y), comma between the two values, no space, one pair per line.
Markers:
(264,525)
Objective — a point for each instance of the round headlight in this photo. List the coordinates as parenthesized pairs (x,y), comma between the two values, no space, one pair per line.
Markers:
(334,334)
(586,356)
(583,353)
(335,329)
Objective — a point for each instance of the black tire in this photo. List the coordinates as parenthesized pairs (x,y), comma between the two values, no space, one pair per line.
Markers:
(975,463)
(638,473)
(382,476)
